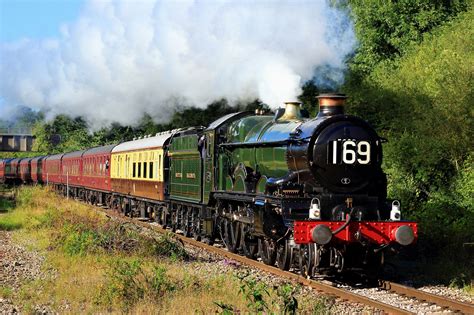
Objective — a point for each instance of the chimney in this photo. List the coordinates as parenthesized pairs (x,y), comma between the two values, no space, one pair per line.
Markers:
(331,104)
(291,112)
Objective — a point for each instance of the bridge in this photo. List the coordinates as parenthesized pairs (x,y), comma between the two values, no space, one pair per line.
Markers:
(16,139)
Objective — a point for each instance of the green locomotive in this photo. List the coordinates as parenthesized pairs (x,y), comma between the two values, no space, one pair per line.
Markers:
(289,188)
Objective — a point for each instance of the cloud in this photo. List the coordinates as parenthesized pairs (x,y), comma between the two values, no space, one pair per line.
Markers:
(120,59)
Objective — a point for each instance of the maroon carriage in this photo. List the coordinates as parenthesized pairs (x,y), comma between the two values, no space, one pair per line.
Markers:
(12,171)
(71,169)
(52,169)
(37,169)
(96,173)
(3,163)
(25,170)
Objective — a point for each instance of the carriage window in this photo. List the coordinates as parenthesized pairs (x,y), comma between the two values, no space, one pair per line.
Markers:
(144,169)
(133,169)
(139,170)
(151,170)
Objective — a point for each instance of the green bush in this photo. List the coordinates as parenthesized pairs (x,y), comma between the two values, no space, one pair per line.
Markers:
(79,241)
(129,281)
(422,102)
(123,283)
(167,245)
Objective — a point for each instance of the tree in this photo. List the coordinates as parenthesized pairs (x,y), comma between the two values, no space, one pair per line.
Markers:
(386,29)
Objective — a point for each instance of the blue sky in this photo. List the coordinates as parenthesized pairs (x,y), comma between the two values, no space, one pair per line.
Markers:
(35,18)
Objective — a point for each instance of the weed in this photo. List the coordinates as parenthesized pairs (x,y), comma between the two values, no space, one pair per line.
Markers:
(226,309)
(6,292)
(48,218)
(255,293)
(159,283)
(287,293)
(6,205)
(122,283)
(24,196)
(461,281)
(128,282)
(168,245)
(80,242)
(12,220)
(322,305)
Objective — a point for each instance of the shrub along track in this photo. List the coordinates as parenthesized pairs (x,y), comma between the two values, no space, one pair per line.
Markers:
(328,289)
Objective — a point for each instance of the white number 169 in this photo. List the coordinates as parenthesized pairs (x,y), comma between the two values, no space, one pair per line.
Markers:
(351,152)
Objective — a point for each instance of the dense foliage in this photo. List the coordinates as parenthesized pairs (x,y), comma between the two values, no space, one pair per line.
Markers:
(386,29)
(417,89)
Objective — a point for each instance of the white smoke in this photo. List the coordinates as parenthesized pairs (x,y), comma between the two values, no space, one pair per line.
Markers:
(123,58)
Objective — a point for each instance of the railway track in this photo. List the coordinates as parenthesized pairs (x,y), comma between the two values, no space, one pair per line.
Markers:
(444,302)
(328,289)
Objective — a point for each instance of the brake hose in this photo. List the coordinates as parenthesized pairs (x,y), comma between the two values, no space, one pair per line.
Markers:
(348,220)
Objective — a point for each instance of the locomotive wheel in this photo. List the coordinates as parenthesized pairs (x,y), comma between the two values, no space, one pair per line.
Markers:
(231,235)
(284,255)
(164,218)
(185,223)
(159,216)
(196,225)
(267,251)
(108,201)
(116,205)
(173,218)
(125,207)
(249,243)
(305,262)
(250,248)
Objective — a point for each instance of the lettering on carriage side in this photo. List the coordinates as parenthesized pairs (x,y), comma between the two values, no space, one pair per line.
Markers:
(178,175)
(190,175)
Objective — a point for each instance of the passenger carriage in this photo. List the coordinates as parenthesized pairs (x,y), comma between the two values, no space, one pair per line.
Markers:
(37,169)
(96,174)
(137,174)
(3,163)
(71,171)
(25,170)
(52,171)
(12,171)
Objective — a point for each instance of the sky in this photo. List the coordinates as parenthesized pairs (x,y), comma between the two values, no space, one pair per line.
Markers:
(35,18)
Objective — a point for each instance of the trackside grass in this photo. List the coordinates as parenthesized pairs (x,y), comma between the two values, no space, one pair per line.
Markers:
(94,264)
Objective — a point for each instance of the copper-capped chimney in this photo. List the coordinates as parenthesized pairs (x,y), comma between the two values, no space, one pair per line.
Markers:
(331,104)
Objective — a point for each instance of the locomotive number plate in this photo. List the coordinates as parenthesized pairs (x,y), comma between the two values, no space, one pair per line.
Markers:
(348,151)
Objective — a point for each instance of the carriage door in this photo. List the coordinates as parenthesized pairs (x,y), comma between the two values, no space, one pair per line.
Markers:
(208,167)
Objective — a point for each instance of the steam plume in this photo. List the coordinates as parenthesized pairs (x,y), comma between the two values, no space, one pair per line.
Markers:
(123,58)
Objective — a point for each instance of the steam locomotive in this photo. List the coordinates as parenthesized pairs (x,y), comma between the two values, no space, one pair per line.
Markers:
(295,191)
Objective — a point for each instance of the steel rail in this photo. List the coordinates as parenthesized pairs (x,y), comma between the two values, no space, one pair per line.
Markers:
(317,285)
(466,308)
